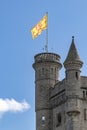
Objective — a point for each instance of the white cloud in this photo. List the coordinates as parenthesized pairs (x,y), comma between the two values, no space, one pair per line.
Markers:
(11,105)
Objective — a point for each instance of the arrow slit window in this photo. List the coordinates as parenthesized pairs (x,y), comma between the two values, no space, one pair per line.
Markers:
(58,119)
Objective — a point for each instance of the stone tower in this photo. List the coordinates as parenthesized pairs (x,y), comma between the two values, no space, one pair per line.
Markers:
(60,105)
(47,66)
(73,65)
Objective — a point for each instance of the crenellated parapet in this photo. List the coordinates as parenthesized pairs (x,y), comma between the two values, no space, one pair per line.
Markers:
(47,57)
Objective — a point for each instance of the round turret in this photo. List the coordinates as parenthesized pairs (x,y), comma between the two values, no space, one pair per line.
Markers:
(47,66)
(73,63)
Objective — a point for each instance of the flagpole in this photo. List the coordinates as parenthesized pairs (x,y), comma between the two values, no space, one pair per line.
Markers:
(46,46)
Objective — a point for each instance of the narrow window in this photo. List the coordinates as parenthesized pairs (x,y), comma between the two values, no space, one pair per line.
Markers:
(86,94)
(77,75)
(83,94)
(58,120)
(85,114)
(43,120)
(55,70)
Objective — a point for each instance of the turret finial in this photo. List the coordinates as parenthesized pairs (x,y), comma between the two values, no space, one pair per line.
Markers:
(72,38)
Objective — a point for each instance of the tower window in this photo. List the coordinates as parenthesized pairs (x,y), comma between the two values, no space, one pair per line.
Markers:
(55,70)
(85,114)
(83,94)
(43,120)
(77,75)
(58,120)
(86,94)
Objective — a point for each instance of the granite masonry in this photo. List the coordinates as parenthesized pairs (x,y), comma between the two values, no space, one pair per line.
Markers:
(60,105)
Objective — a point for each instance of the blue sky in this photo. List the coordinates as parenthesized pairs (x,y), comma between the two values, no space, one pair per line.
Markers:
(17,50)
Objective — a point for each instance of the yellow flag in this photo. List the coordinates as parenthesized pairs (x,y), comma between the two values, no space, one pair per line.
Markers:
(39,27)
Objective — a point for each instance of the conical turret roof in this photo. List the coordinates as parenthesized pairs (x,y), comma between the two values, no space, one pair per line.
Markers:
(72,56)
